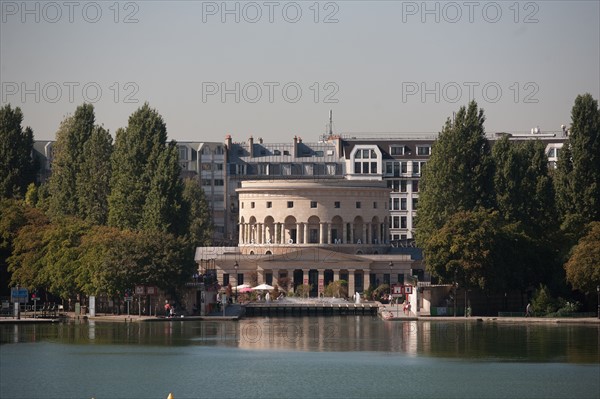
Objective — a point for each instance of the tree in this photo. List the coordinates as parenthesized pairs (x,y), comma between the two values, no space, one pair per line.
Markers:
(197,214)
(459,174)
(526,203)
(163,207)
(465,249)
(69,163)
(583,267)
(135,160)
(16,144)
(523,187)
(457,180)
(93,183)
(577,177)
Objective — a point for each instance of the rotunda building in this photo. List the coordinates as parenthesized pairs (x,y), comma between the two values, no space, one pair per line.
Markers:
(318,212)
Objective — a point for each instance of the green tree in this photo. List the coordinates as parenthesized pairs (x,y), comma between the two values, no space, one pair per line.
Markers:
(583,267)
(16,144)
(459,174)
(135,159)
(526,202)
(163,207)
(93,183)
(523,187)
(577,178)
(197,214)
(458,179)
(466,249)
(67,165)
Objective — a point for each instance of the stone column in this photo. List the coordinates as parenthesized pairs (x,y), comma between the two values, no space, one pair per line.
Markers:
(322,233)
(305,233)
(344,232)
(241,233)
(298,232)
(336,275)
(328,233)
(351,287)
(351,233)
(321,282)
(368,232)
(366,278)
(261,276)
(259,233)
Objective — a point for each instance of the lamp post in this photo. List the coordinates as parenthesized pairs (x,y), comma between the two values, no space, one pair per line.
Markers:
(391,264)
(598,292)
(235,266)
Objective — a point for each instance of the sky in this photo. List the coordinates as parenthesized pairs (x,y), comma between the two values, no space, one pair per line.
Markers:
(274,69)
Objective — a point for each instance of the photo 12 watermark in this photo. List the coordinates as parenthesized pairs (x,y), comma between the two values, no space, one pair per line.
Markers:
(71,92)
(53,12)
(453,12)
(464,92)
(253,12)
(269,92)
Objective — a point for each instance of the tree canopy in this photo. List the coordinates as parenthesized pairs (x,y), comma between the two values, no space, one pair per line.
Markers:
(16,144)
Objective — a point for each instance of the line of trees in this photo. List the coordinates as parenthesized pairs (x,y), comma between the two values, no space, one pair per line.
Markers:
(498,220)
(112,215)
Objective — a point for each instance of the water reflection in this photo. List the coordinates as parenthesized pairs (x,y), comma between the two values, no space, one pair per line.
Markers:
(470,340)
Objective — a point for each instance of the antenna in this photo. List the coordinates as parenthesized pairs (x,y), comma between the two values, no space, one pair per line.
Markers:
(330,122)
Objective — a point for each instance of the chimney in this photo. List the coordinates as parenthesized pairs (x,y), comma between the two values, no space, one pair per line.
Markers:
(251,146)
(295,149)
(228,141)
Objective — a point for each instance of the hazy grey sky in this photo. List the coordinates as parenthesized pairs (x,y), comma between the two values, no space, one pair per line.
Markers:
(274,69)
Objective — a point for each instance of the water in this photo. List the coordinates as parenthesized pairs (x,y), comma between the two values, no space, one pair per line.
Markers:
(350,357)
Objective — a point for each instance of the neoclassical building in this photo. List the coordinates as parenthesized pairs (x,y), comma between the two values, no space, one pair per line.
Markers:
(301,212)
(311,232)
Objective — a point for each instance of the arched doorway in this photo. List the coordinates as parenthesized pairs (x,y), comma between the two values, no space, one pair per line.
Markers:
(291,232)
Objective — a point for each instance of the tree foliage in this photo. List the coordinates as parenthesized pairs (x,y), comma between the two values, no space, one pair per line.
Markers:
(577,177)
(198,220)
(141,165)
(459,173)
(16,144)
(583,267)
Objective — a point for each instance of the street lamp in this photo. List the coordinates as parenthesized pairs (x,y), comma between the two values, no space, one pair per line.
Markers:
(598,291)
(397,310)
(235,266)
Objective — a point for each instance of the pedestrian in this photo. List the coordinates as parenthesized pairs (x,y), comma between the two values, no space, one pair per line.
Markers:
(268,297)
(528,310)
(167,308)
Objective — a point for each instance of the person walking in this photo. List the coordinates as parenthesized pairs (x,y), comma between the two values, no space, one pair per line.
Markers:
(528,312)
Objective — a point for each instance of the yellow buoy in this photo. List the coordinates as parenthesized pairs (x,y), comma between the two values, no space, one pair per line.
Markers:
(170,396)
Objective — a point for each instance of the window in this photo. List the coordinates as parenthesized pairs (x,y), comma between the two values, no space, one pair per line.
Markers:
(240,279)
(374,205)
(416,169)
(369,161)
(337,204)
(424,150)
(318,153)
(225,279)
(396,222)
(402,222)
(373,167)
(404,167)
(357,204)
(285,152)
(396,150)
(219,150)
(182,153)
(218,166)
(402,186)
(403,204)
(415,186)
(313,204)
(396,204)
(415,203)
(356,167)
(242,205)
(276,152)
(252,205)
(206,182)
(206,166)
(290,204)
(389,168)
(219,182)
(269,204)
